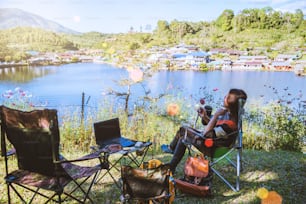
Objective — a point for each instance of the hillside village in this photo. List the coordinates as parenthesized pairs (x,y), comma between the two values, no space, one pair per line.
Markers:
(180,57)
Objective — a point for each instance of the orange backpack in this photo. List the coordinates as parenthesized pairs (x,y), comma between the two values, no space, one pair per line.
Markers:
(197,177)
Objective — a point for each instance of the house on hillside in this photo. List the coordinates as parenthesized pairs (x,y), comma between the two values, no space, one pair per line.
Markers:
(157,57)
(281,65)
(214,51)
(199,57)
(193,59)
(251,62)
(190,48)
(261,58)
(300,68)
(284,57)
(227,63)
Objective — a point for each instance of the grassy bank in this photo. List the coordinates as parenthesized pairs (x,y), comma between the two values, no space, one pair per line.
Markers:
(267,130)
(280,171)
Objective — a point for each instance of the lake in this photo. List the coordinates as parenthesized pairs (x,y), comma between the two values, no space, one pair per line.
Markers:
(60,86)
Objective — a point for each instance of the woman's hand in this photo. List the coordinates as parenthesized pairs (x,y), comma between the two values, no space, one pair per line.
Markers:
(203,115)
(202,112)
(214,119)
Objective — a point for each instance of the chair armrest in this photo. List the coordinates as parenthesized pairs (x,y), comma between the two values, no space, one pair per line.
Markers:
(95,155)
(94,148)
(196,132)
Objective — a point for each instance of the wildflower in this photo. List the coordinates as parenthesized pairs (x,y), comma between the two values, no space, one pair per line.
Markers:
(215,89)
(202,101)
(9,92)
(7,95)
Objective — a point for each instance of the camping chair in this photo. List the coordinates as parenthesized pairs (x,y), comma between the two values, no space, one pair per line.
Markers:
(146,185)
(108,135)
(40,168)
(221,153)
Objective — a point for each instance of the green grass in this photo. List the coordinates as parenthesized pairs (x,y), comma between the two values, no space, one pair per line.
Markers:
(276,170)
(280,171)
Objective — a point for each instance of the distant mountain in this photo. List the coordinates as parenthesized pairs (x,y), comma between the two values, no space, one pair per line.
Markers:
(12,17)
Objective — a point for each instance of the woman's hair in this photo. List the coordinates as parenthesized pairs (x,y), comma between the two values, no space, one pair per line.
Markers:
(233,100)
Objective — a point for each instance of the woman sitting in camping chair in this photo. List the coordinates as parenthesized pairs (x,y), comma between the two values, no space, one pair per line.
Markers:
(220,126)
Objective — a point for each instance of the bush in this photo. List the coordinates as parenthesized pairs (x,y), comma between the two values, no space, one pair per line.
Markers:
(275,127)
(269,127)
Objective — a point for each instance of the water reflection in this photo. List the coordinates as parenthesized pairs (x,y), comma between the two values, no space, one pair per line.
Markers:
(23,74)
(63,85)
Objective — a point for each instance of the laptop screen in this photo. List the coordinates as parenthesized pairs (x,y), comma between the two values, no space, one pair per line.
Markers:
(107,131)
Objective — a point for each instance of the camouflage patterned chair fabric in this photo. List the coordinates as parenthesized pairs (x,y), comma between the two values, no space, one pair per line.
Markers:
(146,185)
(35,138)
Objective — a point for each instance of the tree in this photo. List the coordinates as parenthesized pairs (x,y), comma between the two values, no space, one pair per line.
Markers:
(262,14)
(224,21)
(174,28)
(276,20)
(134,46)
(162,26)
(297,18)
(8,58)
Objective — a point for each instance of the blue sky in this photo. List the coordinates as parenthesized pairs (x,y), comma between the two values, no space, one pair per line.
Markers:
(114,16)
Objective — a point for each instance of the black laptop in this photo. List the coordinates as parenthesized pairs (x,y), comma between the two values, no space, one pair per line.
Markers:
(108,132)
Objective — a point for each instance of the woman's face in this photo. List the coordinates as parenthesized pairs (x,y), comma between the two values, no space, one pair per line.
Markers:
(227,99)
(225,103)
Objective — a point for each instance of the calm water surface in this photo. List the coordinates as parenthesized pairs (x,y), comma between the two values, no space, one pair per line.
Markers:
(58,86)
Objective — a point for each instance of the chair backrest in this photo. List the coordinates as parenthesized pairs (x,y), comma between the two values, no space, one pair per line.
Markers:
(236,140)
(241,103)
(146,183)
(107,132)
(34,135)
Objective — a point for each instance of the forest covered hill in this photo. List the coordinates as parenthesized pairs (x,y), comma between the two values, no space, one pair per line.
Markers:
(263,29)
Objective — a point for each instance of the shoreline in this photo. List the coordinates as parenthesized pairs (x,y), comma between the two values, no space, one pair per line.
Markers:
(122,66)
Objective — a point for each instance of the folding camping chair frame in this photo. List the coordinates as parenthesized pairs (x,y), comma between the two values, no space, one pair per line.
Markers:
(130,154)
(237,146)
(64,171)
(136,180)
